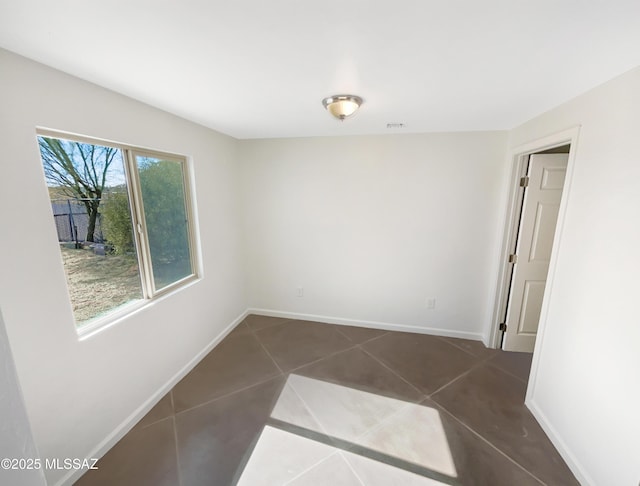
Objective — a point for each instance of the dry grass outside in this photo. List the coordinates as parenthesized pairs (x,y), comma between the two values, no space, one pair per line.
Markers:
(98,284)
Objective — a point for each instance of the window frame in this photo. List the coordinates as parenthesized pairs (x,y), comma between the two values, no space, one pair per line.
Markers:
(140,235)
(138,219)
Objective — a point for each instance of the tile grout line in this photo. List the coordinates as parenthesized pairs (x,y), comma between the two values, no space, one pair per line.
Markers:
(322,431)
(170,393)
(461,375)
(381,423)
(308,409)
(395,373)
(388,419)
(226,395)
(175,435)
(142,427)
(343,334)
(268,353)
(314,465)
(488,442)
(253,333)
(283,320)
(446,340)
(346,446)
(355,473)
(376,337)
(282,373)
(175,439)
(507,372)
(323,357)
(338,326)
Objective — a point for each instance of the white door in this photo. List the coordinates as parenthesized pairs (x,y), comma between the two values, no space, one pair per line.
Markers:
(542,195)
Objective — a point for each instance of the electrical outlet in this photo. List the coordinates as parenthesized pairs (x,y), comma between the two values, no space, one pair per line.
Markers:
(300,292)
(431,303)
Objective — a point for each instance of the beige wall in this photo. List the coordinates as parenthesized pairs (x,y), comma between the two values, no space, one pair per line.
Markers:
(80,395)
(371,227)
(17,441)
(585,386)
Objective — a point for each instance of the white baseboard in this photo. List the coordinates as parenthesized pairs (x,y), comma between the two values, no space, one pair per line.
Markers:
(386,326)
(112,439)
(574,465)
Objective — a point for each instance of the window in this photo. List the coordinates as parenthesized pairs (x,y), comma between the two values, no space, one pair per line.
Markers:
(122,215)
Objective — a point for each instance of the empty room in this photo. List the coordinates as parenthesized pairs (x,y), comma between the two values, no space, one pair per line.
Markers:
(302,243)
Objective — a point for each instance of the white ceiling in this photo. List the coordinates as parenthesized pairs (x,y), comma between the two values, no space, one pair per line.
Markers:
(255,68)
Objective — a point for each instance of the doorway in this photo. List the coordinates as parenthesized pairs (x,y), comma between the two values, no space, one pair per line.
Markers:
(538,183)
(542,192)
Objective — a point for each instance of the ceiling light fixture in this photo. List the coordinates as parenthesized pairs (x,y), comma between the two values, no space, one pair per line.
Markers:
(342,106)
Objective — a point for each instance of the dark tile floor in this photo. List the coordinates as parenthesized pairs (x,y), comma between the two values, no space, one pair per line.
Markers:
(204,431)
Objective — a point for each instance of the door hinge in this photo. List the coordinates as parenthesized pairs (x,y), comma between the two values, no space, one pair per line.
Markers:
(524,181)
(503,327)
(513,258)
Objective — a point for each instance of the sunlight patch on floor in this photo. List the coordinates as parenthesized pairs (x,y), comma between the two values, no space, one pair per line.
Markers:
(353,427)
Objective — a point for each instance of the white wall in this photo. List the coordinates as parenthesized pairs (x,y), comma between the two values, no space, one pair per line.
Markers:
(585,386)
(17,441)
(371,227)
(79,393)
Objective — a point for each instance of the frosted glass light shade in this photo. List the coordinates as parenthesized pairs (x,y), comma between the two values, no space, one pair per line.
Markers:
(342,106)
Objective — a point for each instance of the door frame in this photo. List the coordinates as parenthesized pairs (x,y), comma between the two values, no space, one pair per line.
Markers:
(518,158)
